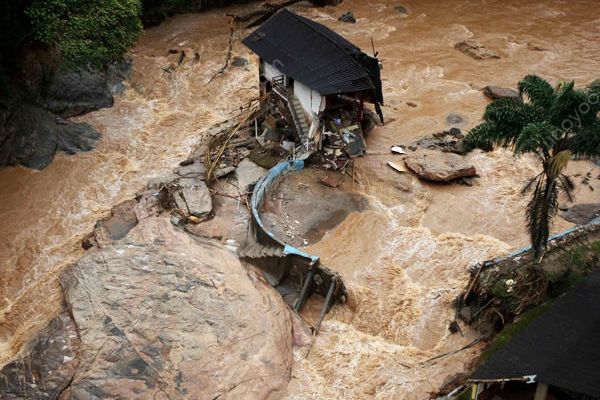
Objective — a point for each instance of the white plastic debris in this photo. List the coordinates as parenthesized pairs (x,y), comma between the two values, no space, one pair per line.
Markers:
(397,150)
(397,167)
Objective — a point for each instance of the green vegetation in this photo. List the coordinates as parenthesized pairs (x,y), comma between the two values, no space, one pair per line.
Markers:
(87,32)
(556,124)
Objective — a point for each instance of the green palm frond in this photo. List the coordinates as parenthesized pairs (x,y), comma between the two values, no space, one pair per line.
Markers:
(534,136)
(586,143)
(483,136)
(565,110)
(538,91)
(510,116)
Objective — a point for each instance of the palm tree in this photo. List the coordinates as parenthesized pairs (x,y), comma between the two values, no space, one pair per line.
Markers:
(556,124)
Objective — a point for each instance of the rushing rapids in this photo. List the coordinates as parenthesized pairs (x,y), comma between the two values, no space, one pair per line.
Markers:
(403,259)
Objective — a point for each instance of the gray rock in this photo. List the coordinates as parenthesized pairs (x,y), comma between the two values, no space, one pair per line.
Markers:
(223,171)
(160,181)
(495,93)
(194,197)
(438,166)
(162,315)
(581,213)
(32,136)
(117,73)
(73,93)
(476,50)
(247,174)
(195,170)
(47,366)
(347,17)
(454,119)
(121,220)
(239,62)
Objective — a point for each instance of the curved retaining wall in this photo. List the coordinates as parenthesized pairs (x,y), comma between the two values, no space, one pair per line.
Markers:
(258,195)
(316,278)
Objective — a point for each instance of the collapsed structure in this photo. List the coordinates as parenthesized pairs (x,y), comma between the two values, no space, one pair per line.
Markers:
(314,85)
(313,88)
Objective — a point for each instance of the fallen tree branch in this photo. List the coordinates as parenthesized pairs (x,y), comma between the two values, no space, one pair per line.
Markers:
(229,51)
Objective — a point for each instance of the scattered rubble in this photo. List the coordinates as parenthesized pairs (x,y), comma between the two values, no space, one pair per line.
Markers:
(495,93)
(447,141)
(476,50)
(439,166)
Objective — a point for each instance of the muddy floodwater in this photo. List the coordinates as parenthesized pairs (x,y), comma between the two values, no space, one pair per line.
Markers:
(404,258)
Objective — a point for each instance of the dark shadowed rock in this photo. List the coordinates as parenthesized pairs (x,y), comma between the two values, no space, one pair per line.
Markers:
(401,9)
(73,93)
(581,213)
(48,365)
(495,93)
(438,166)
(239,62)
(32,136)
(162,315)
(475,50)
(347,17)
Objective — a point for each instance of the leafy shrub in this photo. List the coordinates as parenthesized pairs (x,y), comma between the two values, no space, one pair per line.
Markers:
(87,32)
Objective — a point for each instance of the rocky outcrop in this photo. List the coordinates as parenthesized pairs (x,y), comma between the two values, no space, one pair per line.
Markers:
(48,365)
(476,50)
(495,93)
(75,92)
(31,136)
(439,166)
(164,316)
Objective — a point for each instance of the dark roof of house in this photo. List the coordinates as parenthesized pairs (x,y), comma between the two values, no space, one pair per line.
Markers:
(561,347)
(315,55)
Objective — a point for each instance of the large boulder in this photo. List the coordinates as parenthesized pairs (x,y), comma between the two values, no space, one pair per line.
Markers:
(439,166)
(32,136)
(162,315)
(47,366)
(75,92)
(476,50)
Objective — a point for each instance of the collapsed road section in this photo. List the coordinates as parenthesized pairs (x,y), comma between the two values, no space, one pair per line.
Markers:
(296,274)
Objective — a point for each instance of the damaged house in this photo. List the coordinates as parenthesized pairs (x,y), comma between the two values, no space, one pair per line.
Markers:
(314,85)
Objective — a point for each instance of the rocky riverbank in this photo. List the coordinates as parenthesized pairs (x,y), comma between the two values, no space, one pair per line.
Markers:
(35,121)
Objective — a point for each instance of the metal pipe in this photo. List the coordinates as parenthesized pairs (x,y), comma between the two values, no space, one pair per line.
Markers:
(327,305)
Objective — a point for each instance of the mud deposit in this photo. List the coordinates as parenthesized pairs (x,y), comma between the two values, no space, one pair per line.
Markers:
(403,258)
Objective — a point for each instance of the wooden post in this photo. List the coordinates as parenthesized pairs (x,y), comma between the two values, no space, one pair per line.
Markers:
(541,391)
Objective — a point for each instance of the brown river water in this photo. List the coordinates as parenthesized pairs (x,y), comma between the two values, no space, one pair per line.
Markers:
(404,259)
